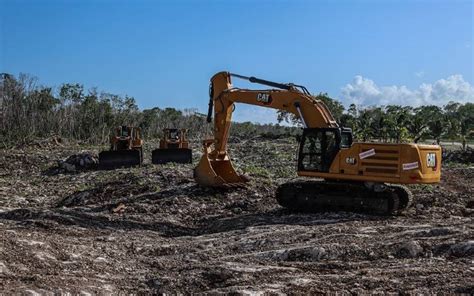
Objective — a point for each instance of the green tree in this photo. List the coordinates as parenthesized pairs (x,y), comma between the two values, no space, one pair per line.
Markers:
(71,92)
(366,124)
(396,121)
(452,120)
(435,121)
(466,118)
(349,119)
(416,125)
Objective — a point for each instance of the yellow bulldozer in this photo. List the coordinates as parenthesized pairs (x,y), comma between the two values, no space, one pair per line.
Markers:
(174,147)
(344,175)
(125,149)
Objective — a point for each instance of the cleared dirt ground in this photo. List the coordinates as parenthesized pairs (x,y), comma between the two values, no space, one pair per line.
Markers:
(153,230)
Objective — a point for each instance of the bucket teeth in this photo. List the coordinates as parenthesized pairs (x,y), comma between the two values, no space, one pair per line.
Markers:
(217,173)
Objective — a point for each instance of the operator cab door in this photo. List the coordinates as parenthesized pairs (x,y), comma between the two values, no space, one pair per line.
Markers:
(318,148)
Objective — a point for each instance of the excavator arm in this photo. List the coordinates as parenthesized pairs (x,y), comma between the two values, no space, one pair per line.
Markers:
(215,168)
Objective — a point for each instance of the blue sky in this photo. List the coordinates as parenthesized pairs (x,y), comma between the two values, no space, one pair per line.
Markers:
(164,52)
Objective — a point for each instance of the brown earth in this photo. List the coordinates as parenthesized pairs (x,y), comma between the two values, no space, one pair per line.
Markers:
(152,230)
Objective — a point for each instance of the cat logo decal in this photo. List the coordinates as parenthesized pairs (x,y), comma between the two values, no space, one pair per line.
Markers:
(265,98)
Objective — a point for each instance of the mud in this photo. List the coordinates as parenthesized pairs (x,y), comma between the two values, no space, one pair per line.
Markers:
(153,230)
(460,156)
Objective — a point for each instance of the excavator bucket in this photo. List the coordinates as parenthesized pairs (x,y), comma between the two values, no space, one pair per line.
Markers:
(179,155)
(216,173)
(109,160)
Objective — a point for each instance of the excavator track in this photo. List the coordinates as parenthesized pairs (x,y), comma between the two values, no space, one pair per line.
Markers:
(324,196)
(405,196)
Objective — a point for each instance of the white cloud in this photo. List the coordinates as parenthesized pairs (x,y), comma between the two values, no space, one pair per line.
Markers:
(363,91)
(420,74)
(245,112)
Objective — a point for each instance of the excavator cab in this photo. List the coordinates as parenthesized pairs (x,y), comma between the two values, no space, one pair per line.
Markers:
(319,147)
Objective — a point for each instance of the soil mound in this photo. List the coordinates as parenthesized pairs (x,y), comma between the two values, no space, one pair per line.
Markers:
(460,156)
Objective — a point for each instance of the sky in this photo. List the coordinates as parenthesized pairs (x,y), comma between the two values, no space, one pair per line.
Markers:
(163,53)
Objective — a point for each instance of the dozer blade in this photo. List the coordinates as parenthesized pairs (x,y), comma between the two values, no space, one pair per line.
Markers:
(109,160)
(217,173)
(178,155)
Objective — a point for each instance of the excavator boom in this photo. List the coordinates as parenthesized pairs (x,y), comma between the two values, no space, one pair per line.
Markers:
(215,167)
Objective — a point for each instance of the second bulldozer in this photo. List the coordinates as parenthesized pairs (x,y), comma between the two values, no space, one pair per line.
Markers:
(125,149)
(174,147)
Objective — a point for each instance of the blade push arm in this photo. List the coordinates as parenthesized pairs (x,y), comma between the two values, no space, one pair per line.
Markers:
(288,97)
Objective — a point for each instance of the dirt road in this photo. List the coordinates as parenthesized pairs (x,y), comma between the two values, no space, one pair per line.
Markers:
(153,230)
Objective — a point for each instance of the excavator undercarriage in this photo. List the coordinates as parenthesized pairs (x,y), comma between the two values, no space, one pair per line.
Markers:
(323,196)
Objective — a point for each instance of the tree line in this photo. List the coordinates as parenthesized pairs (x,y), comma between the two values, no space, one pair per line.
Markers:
(29,111)
(395,123)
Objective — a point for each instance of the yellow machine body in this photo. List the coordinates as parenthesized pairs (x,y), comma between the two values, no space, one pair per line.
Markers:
(125,149)
(174,147)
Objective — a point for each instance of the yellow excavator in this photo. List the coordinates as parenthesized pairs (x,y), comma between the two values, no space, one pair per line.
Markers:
(346,175)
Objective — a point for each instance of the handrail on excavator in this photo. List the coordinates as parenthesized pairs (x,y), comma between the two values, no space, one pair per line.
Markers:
(287,86)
